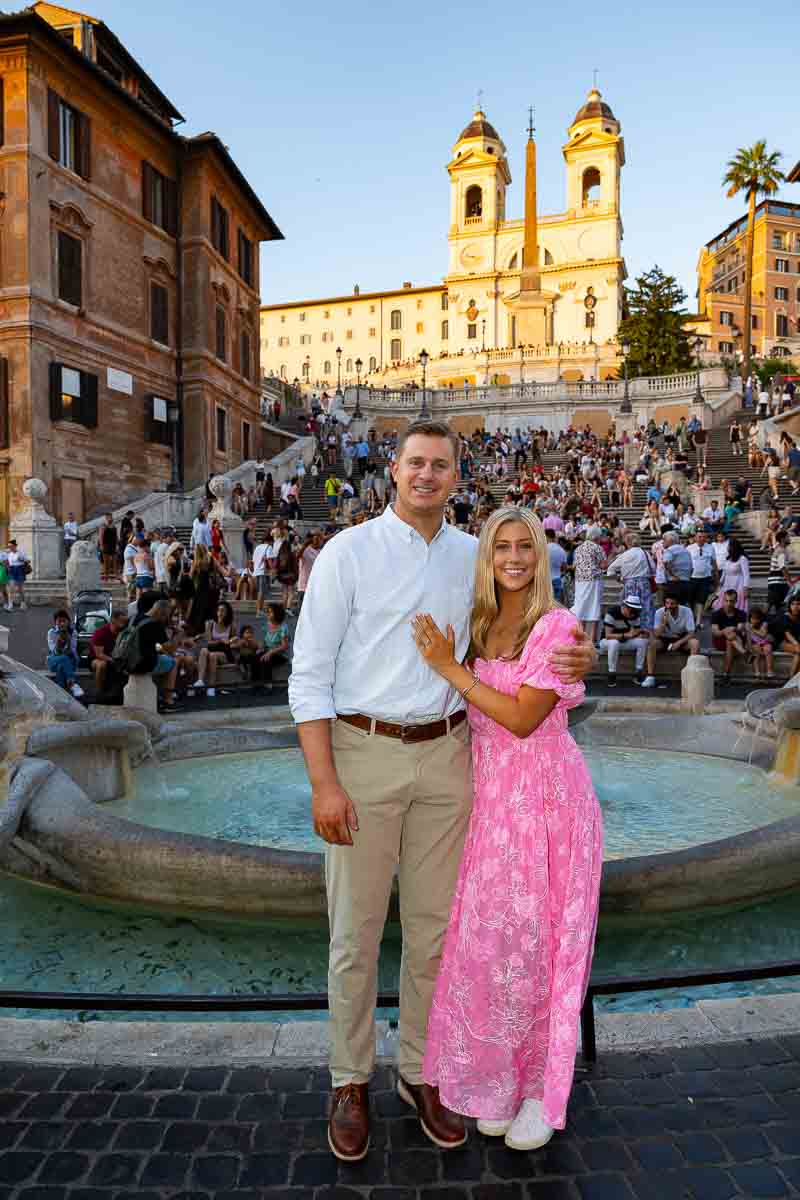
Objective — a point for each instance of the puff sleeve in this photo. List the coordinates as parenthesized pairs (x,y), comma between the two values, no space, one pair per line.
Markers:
(555,628)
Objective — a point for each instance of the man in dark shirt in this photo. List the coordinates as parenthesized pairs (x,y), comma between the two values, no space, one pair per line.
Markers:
(156,652)
(125,531)
(107,537)
(786,631)
(101,648)
(461,509)
(727,632)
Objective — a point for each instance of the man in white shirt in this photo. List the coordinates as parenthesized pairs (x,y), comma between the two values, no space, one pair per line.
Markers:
(713,517)
(70,534)
(262,552)
(673,632)
(201,531)
(387,750)
(704,573)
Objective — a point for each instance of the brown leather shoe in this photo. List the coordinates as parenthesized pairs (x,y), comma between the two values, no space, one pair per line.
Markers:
(443,1127)
(348,1126)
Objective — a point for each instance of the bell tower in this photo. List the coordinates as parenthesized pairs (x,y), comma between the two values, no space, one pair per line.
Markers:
(479,176)
(595,155)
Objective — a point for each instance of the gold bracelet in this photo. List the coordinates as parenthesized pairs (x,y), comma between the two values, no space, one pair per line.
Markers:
(475,682)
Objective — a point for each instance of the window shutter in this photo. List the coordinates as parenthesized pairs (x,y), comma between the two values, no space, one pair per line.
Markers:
(70,280)
(5,420)
(2,113)
(159,314)
(83,150)
(88,400)
(147,191)
(240,252)
(171,207)
(56,412)
(214,223)
(149,423)
(53,125)
(220,331)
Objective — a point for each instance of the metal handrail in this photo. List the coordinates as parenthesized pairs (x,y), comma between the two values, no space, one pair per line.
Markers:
(603,985)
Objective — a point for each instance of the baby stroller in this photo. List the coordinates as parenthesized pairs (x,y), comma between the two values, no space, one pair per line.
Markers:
(90,610)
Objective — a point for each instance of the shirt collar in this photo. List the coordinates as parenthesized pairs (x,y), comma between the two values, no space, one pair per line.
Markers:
(400,528)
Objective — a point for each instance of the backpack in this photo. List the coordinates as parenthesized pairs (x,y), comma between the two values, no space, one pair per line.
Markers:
(127,652)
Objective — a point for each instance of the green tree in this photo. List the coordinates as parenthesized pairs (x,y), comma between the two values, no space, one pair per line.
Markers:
(755,172)
(653,329)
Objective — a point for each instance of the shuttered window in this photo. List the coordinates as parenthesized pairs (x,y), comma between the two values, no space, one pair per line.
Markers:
(73,395)
(246,441)
(221,347)
(222,430)
(219,228)
(159,199)
(245,259)
(156,422)
(70,269)
(5,414)
(69,135)
(159,314)
(2,112)
(244,354)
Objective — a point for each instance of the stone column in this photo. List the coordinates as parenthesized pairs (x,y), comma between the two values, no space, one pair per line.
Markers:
(37,534)
(697,684)
(232,525)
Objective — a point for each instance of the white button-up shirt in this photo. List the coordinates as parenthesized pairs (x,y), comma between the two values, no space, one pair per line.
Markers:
(354,650)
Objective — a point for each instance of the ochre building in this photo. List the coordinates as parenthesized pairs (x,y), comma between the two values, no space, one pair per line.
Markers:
(775,290)
(129,292)
(537,281)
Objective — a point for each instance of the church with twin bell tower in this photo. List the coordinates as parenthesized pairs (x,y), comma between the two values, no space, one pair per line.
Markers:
(537,297)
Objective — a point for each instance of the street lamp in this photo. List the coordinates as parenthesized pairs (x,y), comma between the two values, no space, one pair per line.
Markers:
(483,334)
(339,370)
(698,346)
(625,407)
(423,362)
(357,414)
(173,418)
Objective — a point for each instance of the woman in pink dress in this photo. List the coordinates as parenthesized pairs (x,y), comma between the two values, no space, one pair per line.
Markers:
(503,1028)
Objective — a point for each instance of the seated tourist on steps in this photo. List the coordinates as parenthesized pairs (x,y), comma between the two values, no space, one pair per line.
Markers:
(62,653)
(622,628)
(674,632)
(728,632)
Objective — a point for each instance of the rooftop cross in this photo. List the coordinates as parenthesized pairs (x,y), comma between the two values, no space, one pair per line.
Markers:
(531,127)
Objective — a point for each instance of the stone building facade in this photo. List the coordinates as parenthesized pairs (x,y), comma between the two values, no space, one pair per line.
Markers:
(775,289)
(476,309)
(129,277)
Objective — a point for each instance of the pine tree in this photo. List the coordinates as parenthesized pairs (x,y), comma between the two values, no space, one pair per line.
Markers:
(654,330)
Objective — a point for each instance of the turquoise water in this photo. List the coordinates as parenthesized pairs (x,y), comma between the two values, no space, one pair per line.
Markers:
(53,942)
(652,801)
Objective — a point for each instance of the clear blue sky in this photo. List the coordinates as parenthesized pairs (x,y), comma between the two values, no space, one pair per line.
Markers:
(343,116)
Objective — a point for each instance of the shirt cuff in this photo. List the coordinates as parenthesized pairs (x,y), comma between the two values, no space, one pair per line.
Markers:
(310,710)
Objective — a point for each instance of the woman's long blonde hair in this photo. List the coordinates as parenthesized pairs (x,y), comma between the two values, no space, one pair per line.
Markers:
(540,590)
(201,560)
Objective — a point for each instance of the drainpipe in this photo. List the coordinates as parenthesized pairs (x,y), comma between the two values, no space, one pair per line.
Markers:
(178,449)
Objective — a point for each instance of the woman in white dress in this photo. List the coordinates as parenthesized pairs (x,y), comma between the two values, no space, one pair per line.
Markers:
(735,575)
(590,565)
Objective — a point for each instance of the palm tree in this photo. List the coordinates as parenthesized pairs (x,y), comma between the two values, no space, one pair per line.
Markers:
(755,172)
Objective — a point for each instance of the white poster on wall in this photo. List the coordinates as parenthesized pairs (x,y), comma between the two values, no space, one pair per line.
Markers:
(159,408)
(119,381)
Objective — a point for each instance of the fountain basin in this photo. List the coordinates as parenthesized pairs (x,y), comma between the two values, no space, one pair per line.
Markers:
(64,838)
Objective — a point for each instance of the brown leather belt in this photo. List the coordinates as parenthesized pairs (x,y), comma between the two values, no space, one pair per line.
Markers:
(405,733)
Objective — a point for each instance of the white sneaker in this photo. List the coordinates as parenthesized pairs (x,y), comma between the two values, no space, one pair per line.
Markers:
(529,1130)
(23,605)
(494,1128)
(211,692)
(198,683)
(650,681)
(77,691)
(8,607)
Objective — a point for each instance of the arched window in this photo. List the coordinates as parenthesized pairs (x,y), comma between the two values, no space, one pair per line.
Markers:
(445,330)
(283,370)
(548,258)
(396,350)
(591,186)
(348,366)
(396,319)
(373,363)
(327,367)
(512,266)
(306,371)
(474,201)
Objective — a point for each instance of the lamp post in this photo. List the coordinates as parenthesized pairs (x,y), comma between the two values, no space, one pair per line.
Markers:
(483,334)
(339,370)
(698,395)
(423,362)
(174,417)
(521,370)
(625,407)
(357,414)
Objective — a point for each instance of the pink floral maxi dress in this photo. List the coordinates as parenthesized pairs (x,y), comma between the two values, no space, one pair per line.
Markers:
(505,1015)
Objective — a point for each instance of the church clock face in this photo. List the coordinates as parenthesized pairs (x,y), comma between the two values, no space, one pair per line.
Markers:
(471,256)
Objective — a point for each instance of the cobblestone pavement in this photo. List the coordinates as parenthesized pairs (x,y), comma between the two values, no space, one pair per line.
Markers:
(700,1123)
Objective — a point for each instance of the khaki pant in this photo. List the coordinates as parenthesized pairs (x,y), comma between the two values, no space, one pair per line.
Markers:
(413,804)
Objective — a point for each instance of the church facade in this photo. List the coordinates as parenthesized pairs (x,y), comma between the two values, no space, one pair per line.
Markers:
(536,297)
